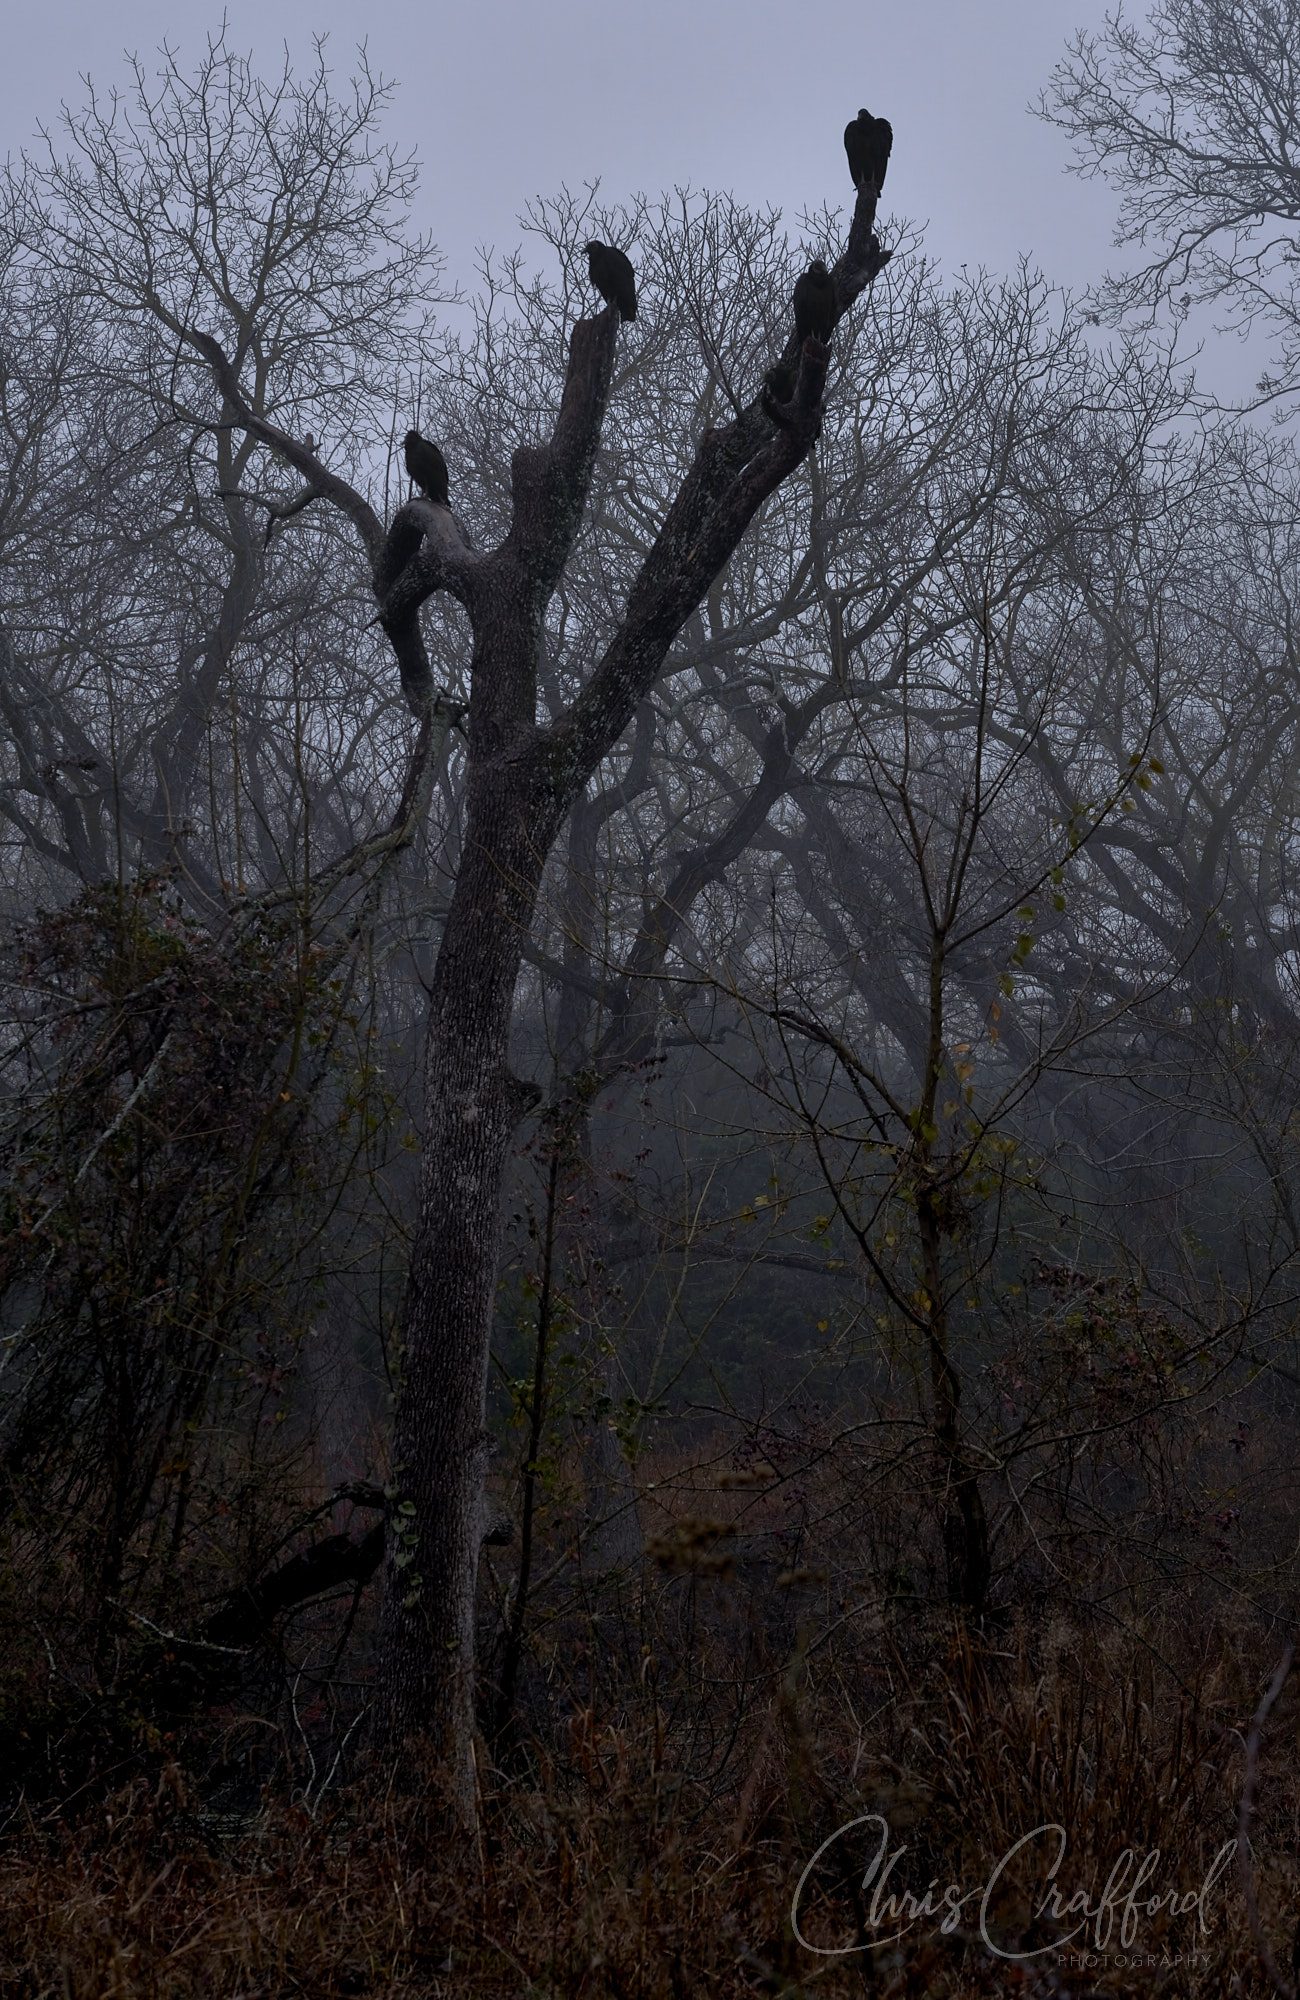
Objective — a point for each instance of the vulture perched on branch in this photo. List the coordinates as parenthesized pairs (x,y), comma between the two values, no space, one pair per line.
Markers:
(814,303)
(427,467)
(613,277)
(868,141)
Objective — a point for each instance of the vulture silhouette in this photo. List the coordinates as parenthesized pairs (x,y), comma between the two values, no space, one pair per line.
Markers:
(868,142)
(427,467)
(814,302)
(613,277)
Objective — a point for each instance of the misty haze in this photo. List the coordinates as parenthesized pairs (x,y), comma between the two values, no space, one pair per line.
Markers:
(650,1045)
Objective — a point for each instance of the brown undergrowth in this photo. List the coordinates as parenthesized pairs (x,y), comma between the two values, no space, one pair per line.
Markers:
(769,1762)
(654,1845)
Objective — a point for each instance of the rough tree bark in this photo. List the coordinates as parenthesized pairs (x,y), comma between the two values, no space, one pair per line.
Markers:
(521,781)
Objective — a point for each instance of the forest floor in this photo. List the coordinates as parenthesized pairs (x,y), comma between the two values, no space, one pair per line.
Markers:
(770,1762)
(659,1851)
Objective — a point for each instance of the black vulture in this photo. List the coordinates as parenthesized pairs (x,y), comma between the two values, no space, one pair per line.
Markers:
(868,142)
(427,467)
(814,302)
(613,277)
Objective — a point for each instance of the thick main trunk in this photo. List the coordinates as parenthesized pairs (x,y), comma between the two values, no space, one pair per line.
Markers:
(440,1441)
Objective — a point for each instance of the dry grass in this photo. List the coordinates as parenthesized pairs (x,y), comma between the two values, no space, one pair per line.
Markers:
(779,1671)
(615,1868)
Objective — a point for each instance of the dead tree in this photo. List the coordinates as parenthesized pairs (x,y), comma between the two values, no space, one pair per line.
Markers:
(521,781)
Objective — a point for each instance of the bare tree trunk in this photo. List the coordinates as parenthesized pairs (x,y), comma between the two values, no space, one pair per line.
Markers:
(611,1529)
(440,1442)
(522,780)
(611,1526)
(967,1561)
(965,1526)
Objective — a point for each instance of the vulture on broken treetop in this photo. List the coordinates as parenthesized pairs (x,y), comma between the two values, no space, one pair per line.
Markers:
(613,277)
(427,467)
(814,303)
(868,141)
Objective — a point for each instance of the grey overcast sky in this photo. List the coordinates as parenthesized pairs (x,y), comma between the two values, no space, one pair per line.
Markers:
(505,100)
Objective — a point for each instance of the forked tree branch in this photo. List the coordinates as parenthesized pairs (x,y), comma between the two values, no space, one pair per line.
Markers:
(735,470)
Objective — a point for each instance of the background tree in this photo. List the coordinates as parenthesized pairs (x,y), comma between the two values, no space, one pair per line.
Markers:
(170,749)
(1193,115)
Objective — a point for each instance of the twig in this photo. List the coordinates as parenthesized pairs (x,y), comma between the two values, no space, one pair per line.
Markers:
(175,1638)
(1283,1985)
